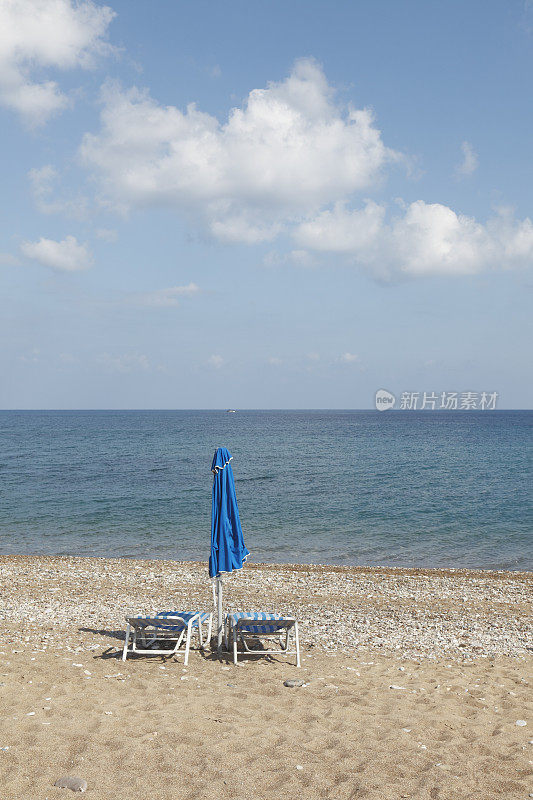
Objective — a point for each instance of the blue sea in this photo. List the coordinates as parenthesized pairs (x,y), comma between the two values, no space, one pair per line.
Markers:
(437,489)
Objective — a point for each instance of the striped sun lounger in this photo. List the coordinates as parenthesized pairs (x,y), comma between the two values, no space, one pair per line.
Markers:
(169,628)
(245,625)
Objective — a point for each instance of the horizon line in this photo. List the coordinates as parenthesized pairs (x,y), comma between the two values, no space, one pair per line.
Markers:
(275,408)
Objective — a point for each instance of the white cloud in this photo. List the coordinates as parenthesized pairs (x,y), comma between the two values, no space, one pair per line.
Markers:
(349,358)
(288,151)
(342,230)
(274,361)
(106,234)
(42,180)
(469,163)
(166,298)
(124,363)
(65,256)
(40,34)
(427,238)
(215,361)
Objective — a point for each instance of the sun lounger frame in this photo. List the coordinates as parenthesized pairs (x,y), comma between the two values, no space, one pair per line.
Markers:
(242,629)
(168,627)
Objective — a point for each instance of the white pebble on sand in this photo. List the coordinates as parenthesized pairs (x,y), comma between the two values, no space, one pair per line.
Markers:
(521,723)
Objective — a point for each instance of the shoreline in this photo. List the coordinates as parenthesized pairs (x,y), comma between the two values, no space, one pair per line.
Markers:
(296,566)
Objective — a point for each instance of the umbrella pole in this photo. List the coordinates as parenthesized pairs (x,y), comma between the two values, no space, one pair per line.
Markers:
(219,614)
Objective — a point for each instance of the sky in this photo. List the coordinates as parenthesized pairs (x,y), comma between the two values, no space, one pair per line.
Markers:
(264,205)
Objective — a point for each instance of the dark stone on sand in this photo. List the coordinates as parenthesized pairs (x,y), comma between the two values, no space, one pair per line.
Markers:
(292,683)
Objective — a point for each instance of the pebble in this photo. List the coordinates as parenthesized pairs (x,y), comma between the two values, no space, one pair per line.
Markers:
(521,723)
(394,686)
(75,784)
(299,766)
(293,683)
(34,586)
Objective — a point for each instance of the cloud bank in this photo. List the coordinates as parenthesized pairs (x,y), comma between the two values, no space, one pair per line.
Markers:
(425,239)
(290,161)
(287,152)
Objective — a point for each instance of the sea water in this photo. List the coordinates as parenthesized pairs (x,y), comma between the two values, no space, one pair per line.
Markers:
(438,489)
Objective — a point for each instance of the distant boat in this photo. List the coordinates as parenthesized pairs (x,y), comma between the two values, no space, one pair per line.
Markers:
(231,411)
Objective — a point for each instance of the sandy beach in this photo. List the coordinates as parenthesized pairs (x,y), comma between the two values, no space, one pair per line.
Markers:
(415,682)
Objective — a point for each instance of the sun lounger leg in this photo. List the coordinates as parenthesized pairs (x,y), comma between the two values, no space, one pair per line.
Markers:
(297,642)
(187,644)
(125,651)
(234,632)
(200,631)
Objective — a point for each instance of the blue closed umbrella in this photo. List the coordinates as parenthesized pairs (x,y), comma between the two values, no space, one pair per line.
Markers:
(228,551)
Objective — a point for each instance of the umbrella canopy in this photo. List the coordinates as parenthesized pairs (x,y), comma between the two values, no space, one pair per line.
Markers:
(228,551)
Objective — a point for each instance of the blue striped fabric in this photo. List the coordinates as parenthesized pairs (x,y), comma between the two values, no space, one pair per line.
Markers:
(257,615)
(185,616)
